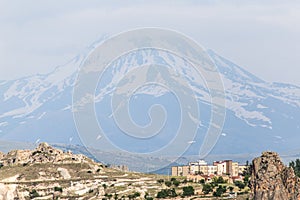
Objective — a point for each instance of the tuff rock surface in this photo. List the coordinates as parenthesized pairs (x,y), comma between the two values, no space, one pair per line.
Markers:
(272,180)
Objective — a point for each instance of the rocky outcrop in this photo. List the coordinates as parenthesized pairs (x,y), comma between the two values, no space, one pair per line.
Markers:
(44,153)
(49,173)
(272,180)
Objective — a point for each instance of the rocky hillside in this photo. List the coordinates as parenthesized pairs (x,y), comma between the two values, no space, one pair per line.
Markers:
(272,180)
(46,172)
(42,154)
(49,173)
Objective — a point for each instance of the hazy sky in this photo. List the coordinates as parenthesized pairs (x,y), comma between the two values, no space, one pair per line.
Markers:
(261,36)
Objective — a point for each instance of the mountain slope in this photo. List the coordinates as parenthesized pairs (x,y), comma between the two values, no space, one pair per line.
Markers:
(259,115)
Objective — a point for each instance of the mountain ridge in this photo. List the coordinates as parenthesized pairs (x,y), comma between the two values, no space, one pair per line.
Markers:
(43,103)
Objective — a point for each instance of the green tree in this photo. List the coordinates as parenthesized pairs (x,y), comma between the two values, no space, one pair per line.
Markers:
(214,179)
(168,183)
(188,191)
(137,194)
(176,183)
(134,195)
(219,191)
(164,193)
(240,184)
(207,188)
(116,196)
(202,181)
(220,180)
(160,181)
(292,164)
(108,195)
(173,179)
(247,171)
(296,166)
(33,194)
(147,197)
(58,189)
(246,180)
(184,181)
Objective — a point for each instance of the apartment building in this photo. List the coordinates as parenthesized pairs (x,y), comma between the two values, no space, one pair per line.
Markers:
(180,170)
(219,168)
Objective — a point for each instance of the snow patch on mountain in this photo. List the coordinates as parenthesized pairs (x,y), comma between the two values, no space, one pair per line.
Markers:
(3,123)
(248,98)
(35,91)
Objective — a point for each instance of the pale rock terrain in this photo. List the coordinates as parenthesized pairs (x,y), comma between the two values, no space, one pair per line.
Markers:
(49,173)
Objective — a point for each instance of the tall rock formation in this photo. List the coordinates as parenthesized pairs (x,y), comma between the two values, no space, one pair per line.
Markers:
(272,180)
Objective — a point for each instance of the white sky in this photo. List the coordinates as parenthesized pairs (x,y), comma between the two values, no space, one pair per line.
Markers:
(261,36)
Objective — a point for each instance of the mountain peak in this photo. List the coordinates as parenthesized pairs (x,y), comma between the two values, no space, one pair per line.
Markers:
(232,70)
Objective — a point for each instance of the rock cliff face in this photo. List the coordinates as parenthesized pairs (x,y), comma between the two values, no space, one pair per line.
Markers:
(272,180)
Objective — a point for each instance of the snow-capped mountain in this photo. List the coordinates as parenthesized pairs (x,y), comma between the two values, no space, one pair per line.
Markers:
(259,115)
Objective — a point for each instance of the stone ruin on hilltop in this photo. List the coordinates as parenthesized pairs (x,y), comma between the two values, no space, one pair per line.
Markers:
(44,153)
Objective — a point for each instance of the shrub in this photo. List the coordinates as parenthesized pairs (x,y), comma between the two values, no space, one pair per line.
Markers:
(147,197)
(33,194)
(176,183)
(164,193)
(160,181)
(240,184)
(116,196)
(246,180)
(220,190)
(168,183)
(202,181)
(108,195)
(188,191)
(207,188)
(135,195)
(58,189)
(218,180)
